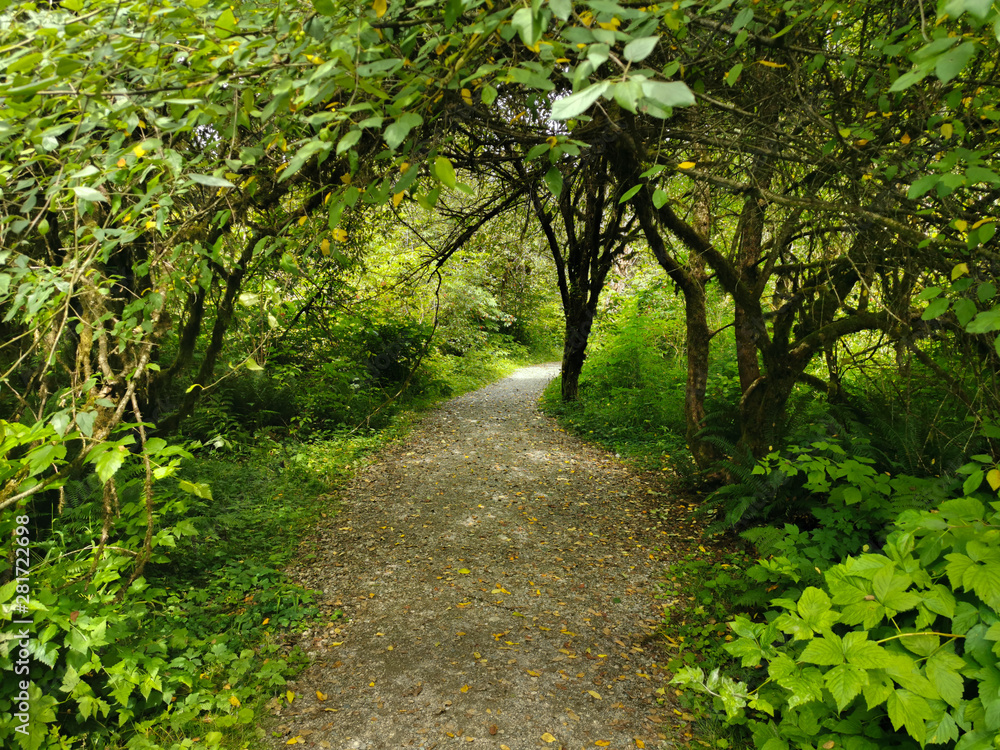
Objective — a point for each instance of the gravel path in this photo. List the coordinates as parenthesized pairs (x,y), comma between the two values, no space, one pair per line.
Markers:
(498,576)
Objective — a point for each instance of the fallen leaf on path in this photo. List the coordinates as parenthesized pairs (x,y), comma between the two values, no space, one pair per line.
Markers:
(493,730)
(464,571)
(294,741)
(602,743)
(465,688)
(533,673)
(639,743)
(594,693)
(548,737)
(290,695)
(320,696)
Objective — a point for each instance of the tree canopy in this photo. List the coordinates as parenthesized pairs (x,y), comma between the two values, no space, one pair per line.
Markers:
(831,166)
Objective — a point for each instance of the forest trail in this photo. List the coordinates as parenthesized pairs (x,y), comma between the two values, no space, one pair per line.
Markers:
(499,579)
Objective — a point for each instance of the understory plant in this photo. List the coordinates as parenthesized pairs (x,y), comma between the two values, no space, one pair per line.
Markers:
(891,649)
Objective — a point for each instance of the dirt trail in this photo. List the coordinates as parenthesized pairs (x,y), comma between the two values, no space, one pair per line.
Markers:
(499,578)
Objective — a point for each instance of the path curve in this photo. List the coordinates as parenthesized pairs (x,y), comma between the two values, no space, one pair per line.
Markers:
(499,576)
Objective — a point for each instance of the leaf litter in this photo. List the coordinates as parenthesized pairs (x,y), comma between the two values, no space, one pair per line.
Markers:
(567,556)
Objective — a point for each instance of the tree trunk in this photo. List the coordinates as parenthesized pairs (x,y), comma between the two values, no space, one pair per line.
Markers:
(578,324)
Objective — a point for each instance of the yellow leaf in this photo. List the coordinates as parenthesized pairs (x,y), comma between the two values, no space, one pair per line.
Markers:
(340,234)
(139,151)
(303,220)
(290,695)
(686,165)
(398,198)
(234,701)
(602,743)
(404,166)
(548,737)
(594,693)
(981,222)
(381,6)
(961,225)
(639,743)
(465,688)
(771,64)
(586,18)
(552,141)
(946,130)
(346,178)
(464,571)
(993,477)
(320,696)
(294,741)
(534,674)
(467,97)
(150,224)
(266,621)
(611,25)
(958,271)
(337,643)
(905,139)
(476,655)
(324,247)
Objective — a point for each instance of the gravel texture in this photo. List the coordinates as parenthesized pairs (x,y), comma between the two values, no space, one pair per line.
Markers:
(499,579)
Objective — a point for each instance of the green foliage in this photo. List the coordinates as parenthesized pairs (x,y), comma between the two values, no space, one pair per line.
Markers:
(897,648)
(632,389)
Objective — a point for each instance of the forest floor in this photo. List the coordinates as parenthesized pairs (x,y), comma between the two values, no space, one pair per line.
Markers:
(502,581)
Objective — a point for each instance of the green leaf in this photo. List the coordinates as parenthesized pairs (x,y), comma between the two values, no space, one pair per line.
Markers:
(936,308)
(942,669)
(349,139)
(527,26)
(922,186)
(89,194)
(747,650)
(396,133)
(852,495)
(965,311)
(984,580)
(864,653)
(325,7)
(561,8)
(814,609)
(845,683)
(660,198)
(211,181)
(445,171)
(826,650)
(554,181)
(303,155)
(226,23)
(908,79)
(109,462)
(668,94)
(630,192)
(578,103)
(640,49)
(908,710)
(733,74)
(952,62)
(985,322)
(878,689)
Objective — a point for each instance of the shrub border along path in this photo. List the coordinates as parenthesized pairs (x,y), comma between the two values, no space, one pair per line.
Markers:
(499,579)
